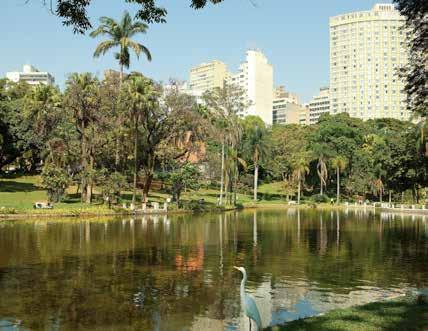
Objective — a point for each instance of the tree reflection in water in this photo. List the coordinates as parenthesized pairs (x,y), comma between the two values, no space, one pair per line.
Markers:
(169,273)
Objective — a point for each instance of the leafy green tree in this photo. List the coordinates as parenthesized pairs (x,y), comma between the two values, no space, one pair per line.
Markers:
(120,34)
(82,99)
(10,148)
(225,105)
(42,111)
(55,180)
(74,12)
(140,97)
(416,72)
(111,184)
(185,176)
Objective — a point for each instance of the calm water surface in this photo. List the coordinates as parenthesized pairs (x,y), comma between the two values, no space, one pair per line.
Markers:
(175,273)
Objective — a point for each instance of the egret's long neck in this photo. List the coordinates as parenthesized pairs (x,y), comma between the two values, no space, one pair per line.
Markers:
(243,281)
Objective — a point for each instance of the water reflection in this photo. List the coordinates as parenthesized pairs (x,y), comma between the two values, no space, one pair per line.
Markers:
(175,273)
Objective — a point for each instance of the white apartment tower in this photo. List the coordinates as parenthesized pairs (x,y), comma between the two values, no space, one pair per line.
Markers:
(31,76)
(366,50)
(255,77)
(206,76)
(319,105)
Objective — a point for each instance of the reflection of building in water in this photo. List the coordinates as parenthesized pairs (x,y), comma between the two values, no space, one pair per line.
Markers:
(263,298)
(194,262)
(285,295)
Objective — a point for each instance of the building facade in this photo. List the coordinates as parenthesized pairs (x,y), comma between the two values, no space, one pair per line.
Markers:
(319,105)
(289,113)
(281,93)
(366,50)
(31,76)
(255,77)
(207,76)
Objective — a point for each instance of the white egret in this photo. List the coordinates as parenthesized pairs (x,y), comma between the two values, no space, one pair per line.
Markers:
(248,303)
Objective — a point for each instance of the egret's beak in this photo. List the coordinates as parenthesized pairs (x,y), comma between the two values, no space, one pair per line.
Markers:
(236,268)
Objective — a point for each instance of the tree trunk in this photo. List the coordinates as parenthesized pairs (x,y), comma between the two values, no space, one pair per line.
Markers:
(147,185)
(226,186)
(84,164)
(116,154)
(390,198)
(117,147)
(90,180)
(298,187)
(321,188)
(256,179)
(134,192)
(121,74)
(338,185)
(235,183)
(222,174)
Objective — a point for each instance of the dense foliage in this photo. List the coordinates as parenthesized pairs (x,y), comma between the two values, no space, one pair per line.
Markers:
(107,135)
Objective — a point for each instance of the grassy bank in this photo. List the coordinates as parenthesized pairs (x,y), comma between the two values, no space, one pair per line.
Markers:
(403,313)
(18,195)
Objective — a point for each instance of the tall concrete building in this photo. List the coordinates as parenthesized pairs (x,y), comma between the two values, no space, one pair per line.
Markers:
(366,50)
(286,108)
(255,77)
(207,76)
(31,75)
(281,93)
(319,105)
(289,113)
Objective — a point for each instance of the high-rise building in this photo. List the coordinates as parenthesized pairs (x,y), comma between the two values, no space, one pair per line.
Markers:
(366,50)
(207,76)
(289,113)
(31,75)
(255,77)
(319,105)
(286,108)
(281,93)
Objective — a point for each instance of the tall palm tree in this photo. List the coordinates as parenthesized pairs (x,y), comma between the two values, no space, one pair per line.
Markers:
(120,34)
(339,163)
(322,172)
(379,188)
(138,94)
(300,169)
(224,104)
(256,147)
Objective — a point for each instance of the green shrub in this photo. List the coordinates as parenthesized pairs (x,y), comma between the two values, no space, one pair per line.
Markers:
(6,211)
(55,180)
(320,198)
(196,205)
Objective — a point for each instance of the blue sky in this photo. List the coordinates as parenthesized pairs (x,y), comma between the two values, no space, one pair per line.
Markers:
(293,35)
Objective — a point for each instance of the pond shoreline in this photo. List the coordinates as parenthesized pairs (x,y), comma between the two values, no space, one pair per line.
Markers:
(265,206)
(49,213)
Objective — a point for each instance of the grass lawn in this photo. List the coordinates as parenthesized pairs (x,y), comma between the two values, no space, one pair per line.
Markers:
(398,314)
(20,193)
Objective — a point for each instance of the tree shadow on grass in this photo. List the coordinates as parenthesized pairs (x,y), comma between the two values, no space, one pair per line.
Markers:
(12,186)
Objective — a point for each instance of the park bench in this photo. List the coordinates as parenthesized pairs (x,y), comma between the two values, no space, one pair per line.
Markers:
(42,205)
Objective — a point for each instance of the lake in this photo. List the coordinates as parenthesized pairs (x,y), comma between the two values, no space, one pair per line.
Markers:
(176,272)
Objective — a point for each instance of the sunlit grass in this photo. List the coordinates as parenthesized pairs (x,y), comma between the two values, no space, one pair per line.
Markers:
(398,314)
(21,193)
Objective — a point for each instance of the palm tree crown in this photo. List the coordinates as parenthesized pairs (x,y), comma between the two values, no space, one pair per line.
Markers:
(120,34)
